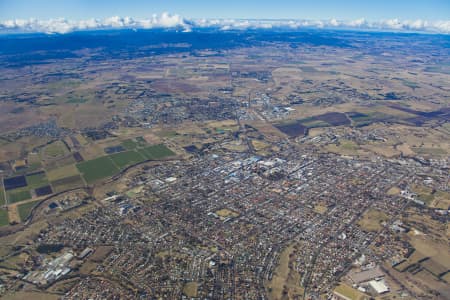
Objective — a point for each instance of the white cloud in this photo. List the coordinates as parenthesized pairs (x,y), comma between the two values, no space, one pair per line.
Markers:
(166,20)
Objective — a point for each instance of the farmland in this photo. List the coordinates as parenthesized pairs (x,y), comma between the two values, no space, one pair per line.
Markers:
(37,179)
(156,152)
(25,209)
(66,183)
(17,196)
(124,159)
(96,169)
(4,220)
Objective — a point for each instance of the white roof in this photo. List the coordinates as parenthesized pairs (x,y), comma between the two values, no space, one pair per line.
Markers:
(379,286)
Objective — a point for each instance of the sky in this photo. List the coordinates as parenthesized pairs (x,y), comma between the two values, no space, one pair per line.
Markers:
(370,10)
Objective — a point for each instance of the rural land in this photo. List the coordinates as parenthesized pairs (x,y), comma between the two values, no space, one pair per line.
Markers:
(225,165)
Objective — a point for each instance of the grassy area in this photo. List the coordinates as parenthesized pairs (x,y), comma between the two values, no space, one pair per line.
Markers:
(55,149)
(76,100)
(424,193)
(156,152)
(190,289)
(37,180)
(17,196)
(96,169)
(372,219)
(81,139)
(285,278)
(168,134)
(124,159)
(25,209)
(4,220)
(349,145)
(130,144)
(2,195)
(349,292)
(225,213)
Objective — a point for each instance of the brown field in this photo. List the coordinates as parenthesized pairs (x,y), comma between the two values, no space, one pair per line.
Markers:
(393,191)
(349,292)
(31,295)
(190,289)
(284,279)
(372,219)
(100,253)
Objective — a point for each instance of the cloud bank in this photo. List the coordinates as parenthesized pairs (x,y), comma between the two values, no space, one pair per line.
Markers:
(166,20)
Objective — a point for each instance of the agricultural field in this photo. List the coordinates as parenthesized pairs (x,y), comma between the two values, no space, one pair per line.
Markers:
(99,168)
(293,129)
(62,172)
(18,195)
(4,220)
(66,183)
(37,179)
(55,149)
(156,152)
(124,159)
(25,209)
(2,196)
(131,144)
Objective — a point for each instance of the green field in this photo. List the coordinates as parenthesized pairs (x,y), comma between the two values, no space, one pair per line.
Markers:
(156,152)
(132,144)
(2,196)
(25,209)
(67,183)
(98,168)
(37,180)
(124,159)
(129,144)
(4,220)
(17,196)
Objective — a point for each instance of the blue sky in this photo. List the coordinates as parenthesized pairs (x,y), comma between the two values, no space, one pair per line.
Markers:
(371,10)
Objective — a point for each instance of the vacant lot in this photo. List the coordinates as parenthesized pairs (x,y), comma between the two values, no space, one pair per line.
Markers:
(372,219)
(225,213)
(98,168)
(285,279)
(350,292)
(190,289)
